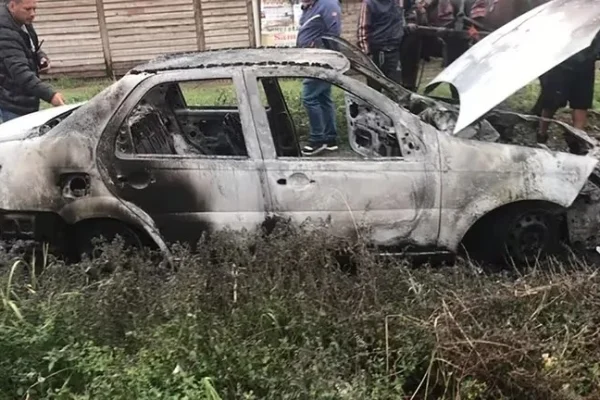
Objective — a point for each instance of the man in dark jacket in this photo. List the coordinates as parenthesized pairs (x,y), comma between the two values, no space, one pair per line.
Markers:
(380,32)
(21,62)
(319,18)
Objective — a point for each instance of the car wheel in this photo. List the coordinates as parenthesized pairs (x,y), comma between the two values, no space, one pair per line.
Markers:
(526,235)
(87,232)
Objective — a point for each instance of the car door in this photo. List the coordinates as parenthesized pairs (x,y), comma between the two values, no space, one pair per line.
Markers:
(384,185)
(192,168)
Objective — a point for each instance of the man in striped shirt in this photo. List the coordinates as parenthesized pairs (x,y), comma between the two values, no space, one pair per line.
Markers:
(380,33)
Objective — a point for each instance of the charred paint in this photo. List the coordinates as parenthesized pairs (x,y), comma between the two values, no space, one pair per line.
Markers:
(413,174)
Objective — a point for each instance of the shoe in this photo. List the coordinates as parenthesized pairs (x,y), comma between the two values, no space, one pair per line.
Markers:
(332,146)
(313,149)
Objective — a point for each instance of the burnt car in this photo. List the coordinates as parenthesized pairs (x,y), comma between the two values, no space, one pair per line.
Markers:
(153,160)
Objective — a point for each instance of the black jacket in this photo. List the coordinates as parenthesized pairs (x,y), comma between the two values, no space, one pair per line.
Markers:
(380,25)
(20,86)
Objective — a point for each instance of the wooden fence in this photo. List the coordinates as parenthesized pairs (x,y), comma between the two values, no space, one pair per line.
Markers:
(98,38)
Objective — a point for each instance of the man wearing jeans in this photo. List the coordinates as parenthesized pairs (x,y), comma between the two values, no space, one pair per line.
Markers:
(319,18)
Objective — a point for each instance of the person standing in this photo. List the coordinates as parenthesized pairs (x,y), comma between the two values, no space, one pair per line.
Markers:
(319,18)
(380,33)
(570,82)
(22,61)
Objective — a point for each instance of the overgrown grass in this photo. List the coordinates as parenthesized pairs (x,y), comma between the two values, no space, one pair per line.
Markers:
(276,318)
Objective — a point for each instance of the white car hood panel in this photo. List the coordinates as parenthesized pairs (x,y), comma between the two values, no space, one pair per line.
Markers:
(518,53)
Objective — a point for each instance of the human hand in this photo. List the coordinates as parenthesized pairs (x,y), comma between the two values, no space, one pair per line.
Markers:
(44,65)
(411,27)
(58,100)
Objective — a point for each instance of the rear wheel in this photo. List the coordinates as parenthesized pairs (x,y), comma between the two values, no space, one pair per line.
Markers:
(87,233)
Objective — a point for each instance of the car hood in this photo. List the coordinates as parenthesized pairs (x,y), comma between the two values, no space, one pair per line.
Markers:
(518,53)
(21,128)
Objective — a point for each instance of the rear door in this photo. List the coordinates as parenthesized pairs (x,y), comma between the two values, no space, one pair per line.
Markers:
(383,183)
(183,148)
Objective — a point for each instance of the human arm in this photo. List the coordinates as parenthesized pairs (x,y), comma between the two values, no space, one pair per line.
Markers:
(17,65)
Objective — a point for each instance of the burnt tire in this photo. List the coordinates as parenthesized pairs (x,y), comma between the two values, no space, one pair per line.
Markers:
(524,235)
(86,233)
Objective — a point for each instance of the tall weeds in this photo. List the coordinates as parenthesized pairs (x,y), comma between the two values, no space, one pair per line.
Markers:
(280,318)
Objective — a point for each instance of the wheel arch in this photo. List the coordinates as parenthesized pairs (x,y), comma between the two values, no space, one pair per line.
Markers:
(138,230)
(477,228)
(90,209)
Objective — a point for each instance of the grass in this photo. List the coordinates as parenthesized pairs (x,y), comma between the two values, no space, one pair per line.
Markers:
(277,318)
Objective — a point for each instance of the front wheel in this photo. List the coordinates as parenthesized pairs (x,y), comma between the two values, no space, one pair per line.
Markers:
(527,234)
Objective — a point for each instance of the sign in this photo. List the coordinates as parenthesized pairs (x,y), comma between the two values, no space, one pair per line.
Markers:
(279,22)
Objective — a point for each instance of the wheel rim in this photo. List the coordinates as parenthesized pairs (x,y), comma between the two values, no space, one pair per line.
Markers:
(530,237)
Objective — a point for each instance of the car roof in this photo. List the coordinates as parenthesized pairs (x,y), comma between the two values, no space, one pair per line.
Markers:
(244,57)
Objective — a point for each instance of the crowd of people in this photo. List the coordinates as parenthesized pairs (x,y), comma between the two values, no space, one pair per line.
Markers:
(382,26)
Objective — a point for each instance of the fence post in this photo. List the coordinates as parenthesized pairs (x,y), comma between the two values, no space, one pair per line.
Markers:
(105,40)
(251,25)
(199,25)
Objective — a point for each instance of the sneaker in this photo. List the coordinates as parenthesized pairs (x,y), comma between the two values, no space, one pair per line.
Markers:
(313,149)
(332,146)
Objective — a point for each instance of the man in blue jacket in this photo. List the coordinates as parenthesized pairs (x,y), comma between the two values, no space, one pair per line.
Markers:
(380,32)
(319,18)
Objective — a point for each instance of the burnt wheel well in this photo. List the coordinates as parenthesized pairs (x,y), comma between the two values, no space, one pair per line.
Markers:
(111,226)
(477,233)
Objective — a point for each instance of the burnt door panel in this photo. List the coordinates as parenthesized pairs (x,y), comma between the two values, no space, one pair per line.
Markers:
(382,184)
(189,184)
(187,197)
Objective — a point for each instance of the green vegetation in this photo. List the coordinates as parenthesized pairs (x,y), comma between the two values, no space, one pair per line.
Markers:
(277,318)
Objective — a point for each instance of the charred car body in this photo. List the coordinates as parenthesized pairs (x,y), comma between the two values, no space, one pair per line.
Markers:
(138,160)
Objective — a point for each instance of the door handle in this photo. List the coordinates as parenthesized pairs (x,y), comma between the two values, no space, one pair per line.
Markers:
(137,179)
(296,180)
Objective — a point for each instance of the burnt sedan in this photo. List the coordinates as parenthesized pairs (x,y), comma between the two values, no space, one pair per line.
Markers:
(156,159)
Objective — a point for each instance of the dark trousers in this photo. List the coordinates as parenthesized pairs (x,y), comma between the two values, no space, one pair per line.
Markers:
(6,115)
(388,61)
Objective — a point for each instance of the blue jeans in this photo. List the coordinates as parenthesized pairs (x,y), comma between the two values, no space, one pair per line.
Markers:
(316,97)
(6,116)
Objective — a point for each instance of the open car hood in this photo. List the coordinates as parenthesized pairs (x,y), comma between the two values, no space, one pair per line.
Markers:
(518,53)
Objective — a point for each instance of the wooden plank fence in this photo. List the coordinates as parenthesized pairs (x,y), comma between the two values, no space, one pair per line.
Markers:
(99,38)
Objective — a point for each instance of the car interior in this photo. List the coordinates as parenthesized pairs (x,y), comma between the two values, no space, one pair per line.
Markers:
(370,133)
(162,123)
